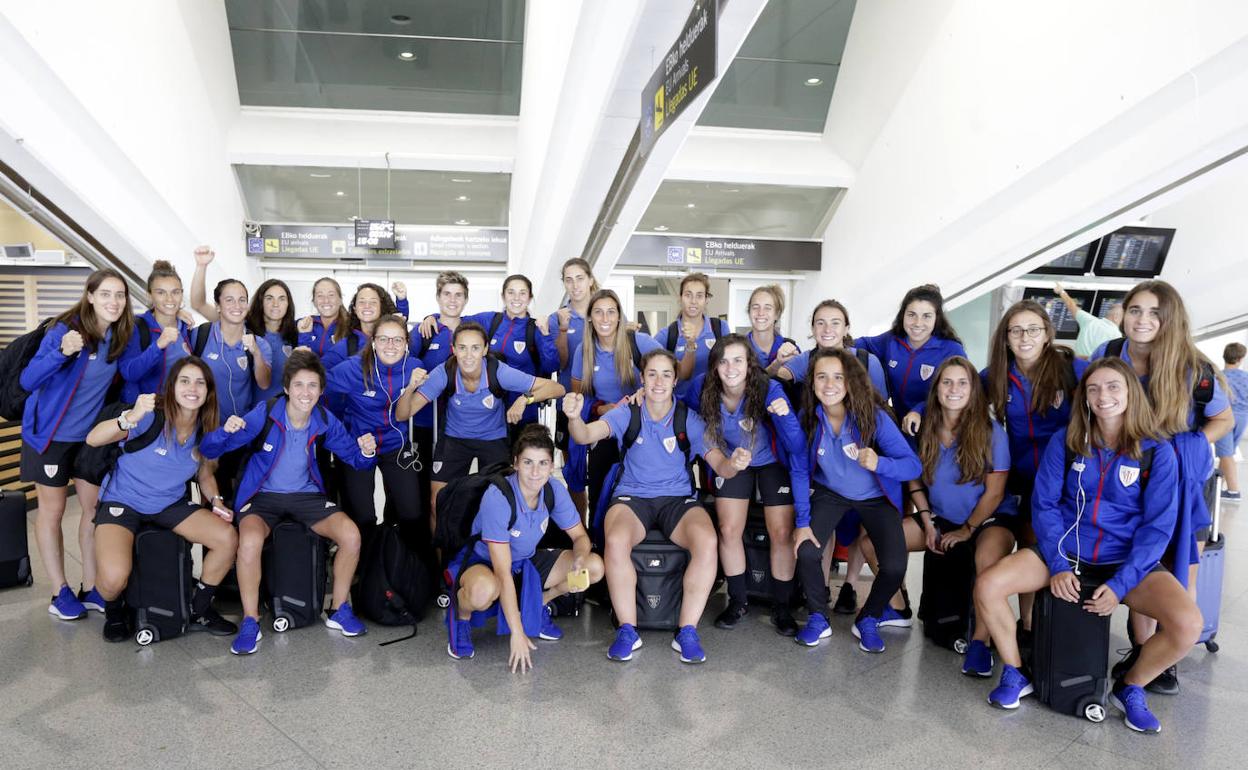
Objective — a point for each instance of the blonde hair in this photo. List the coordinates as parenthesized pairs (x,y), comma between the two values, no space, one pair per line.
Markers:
(1138,423)
(777,297)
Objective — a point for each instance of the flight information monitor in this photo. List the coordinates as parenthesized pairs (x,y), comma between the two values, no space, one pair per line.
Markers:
(1134,252)
(1077,262)
(1105,300)
(374,233)
(1064,323)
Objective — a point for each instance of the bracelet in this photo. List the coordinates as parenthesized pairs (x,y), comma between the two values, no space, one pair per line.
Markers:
(924,510)
(215,498)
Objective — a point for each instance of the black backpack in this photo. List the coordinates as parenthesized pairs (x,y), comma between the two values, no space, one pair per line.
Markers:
(96,462)
(199,341)
(1202,388)
(393,589)
(673,333)
(460,501)
(14,359)
(530,341)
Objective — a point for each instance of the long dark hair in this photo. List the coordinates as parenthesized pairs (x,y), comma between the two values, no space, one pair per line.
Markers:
(387,305)
(1053,373)
(756,381)
(973,433)
(367,356)
(288,330)
(928,292)
(209,414)
(861,398)
(81,317)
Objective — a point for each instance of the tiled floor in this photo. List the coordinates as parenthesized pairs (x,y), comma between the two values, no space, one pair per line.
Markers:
(313,698)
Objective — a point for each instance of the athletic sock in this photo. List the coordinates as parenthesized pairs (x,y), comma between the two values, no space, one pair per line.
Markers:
(781,592)
(114,609)
(202,599)
(737,588)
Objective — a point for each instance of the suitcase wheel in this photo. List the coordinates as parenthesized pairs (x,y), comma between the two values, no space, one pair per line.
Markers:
(281,624)
(444,600)
(960,646)
(1094,712)
(1211,646)
(145,636)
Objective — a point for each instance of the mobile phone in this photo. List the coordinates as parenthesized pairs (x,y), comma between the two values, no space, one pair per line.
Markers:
(578,580)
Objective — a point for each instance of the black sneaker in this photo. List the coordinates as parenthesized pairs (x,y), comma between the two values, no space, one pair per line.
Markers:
(846,600)
(1166,683)
(783,621)
(1121,668)
(117,629)
(731,615)
(212,622)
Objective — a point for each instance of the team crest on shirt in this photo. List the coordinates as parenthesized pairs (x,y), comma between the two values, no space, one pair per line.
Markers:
(115,510)
(746,423)
(494,342)
(1058,399)
(50,470)
(242,362)
(669,444)
(892,364)
(518,345)
(1128,475)
(91,357)
(213,356)
(851,451)
(925,370)
(595,367)
(821,452)
(437,466)
(545,524)
(640,439)
(710,343)
(286,350)
(186,348)
(268,447)
(488,401)
(719,482)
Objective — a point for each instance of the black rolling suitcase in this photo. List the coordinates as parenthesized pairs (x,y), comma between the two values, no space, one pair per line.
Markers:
(159,591)
(946,606)
(1212,567)
(14,549)
(1070,657)
(660,566)
(294,570)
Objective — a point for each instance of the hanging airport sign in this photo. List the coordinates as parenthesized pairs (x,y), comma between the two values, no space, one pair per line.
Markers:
(687,69)
(721,253)
(418,244)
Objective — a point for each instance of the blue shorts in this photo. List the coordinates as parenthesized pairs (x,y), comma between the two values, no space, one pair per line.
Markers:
(1225,446)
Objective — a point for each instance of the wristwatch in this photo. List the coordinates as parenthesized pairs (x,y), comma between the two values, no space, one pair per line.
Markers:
(528,398)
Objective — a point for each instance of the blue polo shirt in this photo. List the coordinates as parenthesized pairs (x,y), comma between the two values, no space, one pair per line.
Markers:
(231,372)
(607,385)
(655,466)
(153,478)
(476,414)
(705,341)
(289,473)
(576,337)
(432,353)
(954,502)
(531,523)
(280,350)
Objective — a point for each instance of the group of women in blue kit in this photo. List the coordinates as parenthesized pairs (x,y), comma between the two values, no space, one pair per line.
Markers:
(1039,452)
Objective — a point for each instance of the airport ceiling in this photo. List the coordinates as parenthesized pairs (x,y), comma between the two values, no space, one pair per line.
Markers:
(464,57)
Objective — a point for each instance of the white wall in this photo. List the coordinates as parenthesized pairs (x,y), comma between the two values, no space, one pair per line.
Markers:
(1017,126)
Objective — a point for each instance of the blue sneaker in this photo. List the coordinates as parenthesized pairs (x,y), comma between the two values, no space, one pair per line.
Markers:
(248,639)
(895,618)
(867,630)
(1013,687)
(66,606)
(344,620)
(978,660)
(1130,700)
(626,640)
(688,645)
(459,638)
(550,632)
(91,599)
(816,628)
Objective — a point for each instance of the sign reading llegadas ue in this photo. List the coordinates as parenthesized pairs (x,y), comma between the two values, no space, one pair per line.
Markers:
(721,253)
(420,244)
(686,71)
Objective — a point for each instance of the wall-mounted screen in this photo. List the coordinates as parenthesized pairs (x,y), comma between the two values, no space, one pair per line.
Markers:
(1063,320)
(1105,300)
(1134,252)
(1077,262)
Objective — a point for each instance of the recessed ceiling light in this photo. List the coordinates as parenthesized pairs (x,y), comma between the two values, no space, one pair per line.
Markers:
(661,228)
(462,197)
(407,55)
(691,205)
(462,222)
(315,175)
(340,193)
(733,190)
(460,181)
(400,19)
(814,81)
